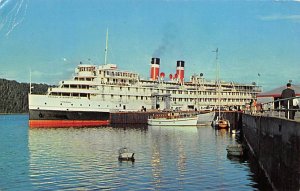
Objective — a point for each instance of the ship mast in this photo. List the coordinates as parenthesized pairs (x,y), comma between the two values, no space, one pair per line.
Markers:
(106,47)
(30,81)
(218,80)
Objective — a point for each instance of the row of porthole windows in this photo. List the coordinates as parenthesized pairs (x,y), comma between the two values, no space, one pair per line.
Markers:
(80,104)
(90,105)
(128,97)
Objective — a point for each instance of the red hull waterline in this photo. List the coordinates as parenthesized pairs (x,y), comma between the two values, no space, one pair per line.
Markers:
(67,123)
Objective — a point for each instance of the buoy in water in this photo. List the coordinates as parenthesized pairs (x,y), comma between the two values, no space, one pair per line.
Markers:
(235,150)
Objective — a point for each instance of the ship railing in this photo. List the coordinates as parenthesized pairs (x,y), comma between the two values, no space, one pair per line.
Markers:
(276,108)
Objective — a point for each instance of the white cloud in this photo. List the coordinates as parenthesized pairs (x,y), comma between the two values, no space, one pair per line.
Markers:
(276,17)
(9,74)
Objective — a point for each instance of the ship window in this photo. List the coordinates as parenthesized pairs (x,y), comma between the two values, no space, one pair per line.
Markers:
(128,89)
(45,103)
(112,96)
(121,88)
(80,104)
(60,103)
(136,97)
(72,104)
(98,105)
(142,97)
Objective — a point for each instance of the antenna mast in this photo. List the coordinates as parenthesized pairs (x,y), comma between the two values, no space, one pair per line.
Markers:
(106,47)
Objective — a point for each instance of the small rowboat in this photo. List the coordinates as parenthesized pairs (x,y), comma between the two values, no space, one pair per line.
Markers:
(173,119)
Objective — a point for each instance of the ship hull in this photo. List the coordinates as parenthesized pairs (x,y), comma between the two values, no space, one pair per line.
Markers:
(47,118)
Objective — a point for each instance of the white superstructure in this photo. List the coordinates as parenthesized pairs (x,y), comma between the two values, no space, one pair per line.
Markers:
(106,88)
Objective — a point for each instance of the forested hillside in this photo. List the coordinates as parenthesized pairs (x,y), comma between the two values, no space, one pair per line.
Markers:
(14,95)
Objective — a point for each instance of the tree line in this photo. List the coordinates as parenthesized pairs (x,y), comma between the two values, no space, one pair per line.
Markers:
(14,95)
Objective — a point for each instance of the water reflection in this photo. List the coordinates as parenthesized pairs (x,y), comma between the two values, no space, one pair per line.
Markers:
(166,158)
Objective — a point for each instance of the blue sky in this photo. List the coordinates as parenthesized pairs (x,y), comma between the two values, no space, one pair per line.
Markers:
(52,36)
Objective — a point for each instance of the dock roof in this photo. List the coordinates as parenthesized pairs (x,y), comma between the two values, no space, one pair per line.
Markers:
(277,91)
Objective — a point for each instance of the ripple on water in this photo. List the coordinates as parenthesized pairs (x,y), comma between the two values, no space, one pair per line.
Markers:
(86,159)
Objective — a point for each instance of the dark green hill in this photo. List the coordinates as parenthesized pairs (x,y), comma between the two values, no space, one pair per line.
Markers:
(14,95)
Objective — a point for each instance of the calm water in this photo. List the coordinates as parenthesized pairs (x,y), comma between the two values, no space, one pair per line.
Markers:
(181,158)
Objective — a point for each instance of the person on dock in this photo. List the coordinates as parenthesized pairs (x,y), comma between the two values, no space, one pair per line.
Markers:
(288,103)
(253,106)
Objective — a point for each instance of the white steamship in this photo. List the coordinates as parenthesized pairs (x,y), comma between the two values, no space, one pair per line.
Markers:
(95,91)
